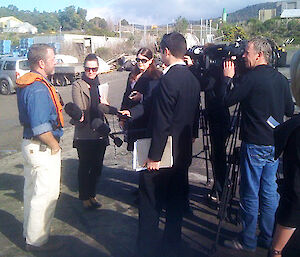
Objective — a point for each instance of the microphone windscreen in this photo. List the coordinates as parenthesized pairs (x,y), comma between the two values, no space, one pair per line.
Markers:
(108,109)
(73,111)
(101,127)
(96,123)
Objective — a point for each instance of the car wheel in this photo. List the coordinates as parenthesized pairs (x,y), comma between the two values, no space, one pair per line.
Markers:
(5,87)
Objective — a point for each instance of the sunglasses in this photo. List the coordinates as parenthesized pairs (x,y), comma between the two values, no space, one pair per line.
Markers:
(141,60)
(87,69)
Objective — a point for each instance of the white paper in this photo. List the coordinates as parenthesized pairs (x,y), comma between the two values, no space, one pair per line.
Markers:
(141,150)
(103,90)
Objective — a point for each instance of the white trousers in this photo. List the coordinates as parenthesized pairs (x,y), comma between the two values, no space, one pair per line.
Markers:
(41,191)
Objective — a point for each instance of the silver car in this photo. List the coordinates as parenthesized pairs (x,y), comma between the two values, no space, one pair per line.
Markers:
(11,68)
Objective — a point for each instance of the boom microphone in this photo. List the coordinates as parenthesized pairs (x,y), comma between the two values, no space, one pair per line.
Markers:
(104,130)
(117,141)
(73,111)
(108,109)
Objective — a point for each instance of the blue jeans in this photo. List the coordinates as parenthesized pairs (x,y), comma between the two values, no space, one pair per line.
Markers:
(258,193)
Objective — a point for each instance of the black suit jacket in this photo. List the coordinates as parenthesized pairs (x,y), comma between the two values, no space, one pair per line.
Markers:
(141,86)
(175,112)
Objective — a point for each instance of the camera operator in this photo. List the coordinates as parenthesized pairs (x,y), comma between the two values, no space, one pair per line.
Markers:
(218,119)
(264,97)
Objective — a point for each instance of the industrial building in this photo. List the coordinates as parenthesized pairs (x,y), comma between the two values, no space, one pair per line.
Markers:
(284,9)
(14,25)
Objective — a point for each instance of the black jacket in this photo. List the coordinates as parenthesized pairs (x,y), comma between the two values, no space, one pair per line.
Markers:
(263,92)
(287,139)
(140,86)
(175,112)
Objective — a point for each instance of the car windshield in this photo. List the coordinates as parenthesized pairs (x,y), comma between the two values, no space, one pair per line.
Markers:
(23,65)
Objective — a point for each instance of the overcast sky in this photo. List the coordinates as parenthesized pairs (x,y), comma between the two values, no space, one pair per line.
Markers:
(141,11)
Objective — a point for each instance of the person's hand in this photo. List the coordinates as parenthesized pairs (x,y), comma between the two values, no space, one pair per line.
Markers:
(125,113)
(229,69)
(152,165)
(82,117)
(188,60)
(193,140)
(136,97)
(55,150)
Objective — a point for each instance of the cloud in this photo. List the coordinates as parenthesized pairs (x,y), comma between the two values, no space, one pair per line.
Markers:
(163,11)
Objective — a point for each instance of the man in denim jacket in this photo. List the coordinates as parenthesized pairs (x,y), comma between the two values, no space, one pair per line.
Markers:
(40,114)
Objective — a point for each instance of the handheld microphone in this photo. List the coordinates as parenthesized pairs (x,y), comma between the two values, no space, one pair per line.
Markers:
(73,111)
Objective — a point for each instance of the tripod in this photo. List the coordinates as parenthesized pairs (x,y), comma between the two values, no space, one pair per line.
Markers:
(231,179)
(205,142)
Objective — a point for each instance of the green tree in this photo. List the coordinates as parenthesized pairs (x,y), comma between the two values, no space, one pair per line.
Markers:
(70,19)
(181,25)
(232,32)
(124,22)
(254,26)
(98,22)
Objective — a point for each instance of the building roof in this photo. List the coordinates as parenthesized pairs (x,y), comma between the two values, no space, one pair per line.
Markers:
(5,19)
(290,13)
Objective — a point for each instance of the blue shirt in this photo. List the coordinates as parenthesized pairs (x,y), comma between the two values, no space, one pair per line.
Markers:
(37,113)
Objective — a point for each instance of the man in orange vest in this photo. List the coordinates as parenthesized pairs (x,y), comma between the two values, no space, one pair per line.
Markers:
(40,114)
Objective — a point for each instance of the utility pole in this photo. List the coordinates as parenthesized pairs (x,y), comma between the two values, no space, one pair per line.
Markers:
(206,29)
(201,32)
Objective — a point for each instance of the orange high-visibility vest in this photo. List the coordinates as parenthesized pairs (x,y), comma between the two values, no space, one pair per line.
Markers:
(29,78)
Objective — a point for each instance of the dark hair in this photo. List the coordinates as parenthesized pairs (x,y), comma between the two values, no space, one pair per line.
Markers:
(152,72)
(175,42)
(36,53)
(90,57)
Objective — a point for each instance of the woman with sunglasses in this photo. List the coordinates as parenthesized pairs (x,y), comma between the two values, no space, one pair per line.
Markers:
(90,144)
(138,87)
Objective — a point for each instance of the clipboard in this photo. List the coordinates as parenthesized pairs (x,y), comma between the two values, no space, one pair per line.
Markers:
(141,150)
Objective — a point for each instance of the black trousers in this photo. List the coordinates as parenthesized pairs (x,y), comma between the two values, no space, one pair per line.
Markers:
(218,136)
(161,189)
(90,156)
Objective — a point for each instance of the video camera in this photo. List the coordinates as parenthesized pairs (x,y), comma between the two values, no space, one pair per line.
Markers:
(208,59)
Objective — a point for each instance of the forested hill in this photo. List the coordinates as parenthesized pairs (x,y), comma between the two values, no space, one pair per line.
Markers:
(249,12)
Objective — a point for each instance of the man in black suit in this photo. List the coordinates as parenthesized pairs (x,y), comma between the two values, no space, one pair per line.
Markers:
(175,113)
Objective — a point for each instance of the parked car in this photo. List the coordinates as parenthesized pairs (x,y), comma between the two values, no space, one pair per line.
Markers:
(11,68)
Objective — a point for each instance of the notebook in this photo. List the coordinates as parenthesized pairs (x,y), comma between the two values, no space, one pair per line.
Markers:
(141,150)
